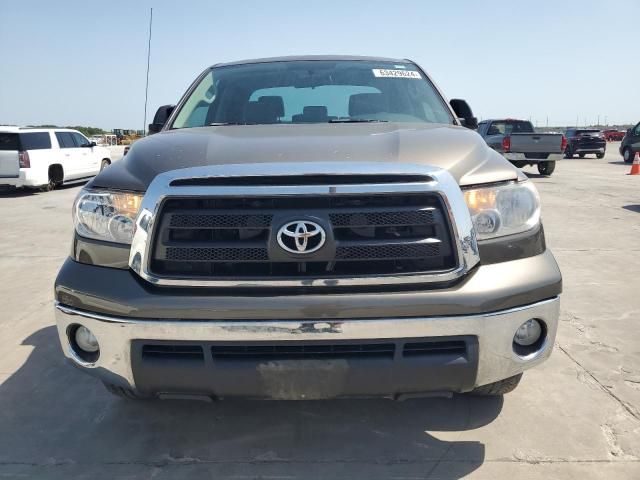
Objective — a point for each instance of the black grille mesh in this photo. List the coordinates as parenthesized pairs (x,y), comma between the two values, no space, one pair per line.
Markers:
(374,252)
(208,254)
(362,219)
(220,221)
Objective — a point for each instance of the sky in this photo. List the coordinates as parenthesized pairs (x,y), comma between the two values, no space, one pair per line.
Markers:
(69,62)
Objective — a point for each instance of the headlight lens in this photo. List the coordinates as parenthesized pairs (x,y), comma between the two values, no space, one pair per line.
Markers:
(503,210)
(107,216)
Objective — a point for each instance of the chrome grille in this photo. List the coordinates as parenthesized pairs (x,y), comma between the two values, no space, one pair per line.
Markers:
(367,235)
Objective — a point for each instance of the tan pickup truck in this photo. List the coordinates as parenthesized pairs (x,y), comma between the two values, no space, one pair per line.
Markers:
(309,228)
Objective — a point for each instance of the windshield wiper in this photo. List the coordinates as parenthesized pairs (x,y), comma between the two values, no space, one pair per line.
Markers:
(355,120)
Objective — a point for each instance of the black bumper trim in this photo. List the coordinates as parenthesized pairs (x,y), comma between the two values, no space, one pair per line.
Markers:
(312,376)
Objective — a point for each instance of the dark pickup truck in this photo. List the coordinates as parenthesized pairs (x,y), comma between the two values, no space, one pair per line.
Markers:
(521,145)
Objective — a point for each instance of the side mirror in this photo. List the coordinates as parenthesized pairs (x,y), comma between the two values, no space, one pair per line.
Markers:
(160,118)
(93,144)
(464,113)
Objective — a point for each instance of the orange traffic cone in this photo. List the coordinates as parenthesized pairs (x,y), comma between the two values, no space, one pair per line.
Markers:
(635,167)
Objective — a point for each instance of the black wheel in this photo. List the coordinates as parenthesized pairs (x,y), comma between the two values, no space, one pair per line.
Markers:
(498,388)
(105,163)
(599,155)
(123,392)
(546,168)
(568,153)
(49,186)
(56,177)
(581,155)
(627,155)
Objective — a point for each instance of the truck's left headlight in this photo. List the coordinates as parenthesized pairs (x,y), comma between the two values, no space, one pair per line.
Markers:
(501,210)
(107,216)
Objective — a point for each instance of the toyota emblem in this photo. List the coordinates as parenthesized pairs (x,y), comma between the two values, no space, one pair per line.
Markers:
(301,236)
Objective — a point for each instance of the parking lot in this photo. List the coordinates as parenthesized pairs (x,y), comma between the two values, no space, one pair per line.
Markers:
(576,416)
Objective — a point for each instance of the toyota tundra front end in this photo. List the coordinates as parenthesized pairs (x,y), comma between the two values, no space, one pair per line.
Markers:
(309,228)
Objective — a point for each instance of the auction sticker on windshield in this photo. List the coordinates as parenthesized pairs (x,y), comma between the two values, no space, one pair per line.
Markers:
(382,72)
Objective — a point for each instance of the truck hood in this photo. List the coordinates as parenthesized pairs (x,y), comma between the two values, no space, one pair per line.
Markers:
(462,152)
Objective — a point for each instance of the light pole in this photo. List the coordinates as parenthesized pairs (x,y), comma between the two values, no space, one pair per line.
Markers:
(146,89)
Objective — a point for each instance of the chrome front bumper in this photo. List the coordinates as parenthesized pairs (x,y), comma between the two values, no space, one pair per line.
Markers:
(521,157)
(494,332)
(589,150)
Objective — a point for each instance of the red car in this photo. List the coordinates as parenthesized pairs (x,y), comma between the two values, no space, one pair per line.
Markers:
(613,135)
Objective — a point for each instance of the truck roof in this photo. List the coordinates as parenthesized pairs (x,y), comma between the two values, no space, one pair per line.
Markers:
(504,120)
(294,58)
(12,129)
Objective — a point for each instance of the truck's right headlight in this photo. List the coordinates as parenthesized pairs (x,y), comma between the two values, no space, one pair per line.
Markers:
(107,216)
(501,210)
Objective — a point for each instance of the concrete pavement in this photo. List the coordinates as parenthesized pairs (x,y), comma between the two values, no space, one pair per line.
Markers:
(576,416)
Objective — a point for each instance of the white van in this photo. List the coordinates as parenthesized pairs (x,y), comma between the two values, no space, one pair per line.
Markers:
(47,157)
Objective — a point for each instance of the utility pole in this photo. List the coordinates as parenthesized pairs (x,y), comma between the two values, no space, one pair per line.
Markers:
(146,90)
(598,120)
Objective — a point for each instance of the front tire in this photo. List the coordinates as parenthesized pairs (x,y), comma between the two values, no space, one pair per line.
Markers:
(105,163)
(546,168)
(581,155)
(627,155)
(568,153)
(498,388)
(599,155)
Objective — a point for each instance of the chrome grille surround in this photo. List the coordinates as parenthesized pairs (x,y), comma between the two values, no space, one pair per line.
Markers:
(442,183)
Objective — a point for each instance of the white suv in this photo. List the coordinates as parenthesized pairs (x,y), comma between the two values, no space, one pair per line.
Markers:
(47,157)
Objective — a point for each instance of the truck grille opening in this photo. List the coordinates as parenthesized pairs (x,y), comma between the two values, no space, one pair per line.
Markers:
(292,180)
(232,238)
(453,347)
(173,352)
(302,351)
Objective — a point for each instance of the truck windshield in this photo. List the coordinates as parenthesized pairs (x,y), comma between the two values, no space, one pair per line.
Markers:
(316,91)
(507,127)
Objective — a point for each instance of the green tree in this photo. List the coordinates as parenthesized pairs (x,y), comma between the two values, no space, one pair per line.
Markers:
(86,131)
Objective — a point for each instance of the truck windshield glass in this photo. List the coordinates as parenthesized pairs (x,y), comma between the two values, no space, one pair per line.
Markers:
(297,92)
(508,127)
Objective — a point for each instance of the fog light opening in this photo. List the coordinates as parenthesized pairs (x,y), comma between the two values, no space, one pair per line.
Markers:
(530,337)
(84,343)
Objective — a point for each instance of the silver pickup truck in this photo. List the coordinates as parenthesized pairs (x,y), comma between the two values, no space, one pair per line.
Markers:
(518,142)
(308,228)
